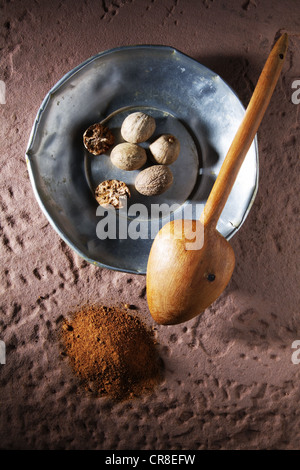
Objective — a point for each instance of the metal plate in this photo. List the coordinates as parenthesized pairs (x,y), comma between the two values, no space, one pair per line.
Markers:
(186,99)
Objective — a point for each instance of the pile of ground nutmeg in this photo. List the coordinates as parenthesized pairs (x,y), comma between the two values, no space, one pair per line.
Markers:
(112,352)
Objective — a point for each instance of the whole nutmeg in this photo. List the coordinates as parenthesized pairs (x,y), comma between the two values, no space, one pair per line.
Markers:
(154,180)
(127,156)
(165,149)
(137,127)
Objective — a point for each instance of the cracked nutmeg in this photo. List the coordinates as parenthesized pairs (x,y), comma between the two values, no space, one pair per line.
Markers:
(98,139)
(112,192)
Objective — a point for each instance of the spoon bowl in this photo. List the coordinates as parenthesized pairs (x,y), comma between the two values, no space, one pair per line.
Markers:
(196,270)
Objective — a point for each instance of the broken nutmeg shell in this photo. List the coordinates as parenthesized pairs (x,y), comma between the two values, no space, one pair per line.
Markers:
(98,139)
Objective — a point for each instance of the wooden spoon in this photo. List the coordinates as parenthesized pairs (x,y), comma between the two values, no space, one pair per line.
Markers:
(183,278)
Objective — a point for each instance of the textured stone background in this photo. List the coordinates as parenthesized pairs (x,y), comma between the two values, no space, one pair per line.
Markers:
(229,379)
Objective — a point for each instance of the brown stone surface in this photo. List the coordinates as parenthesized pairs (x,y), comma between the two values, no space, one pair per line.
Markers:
(229,379)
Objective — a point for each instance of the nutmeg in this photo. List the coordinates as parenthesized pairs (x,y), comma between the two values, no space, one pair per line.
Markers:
(137,127)
(154,180)
(127,156)
(112,193)
(165,149)
(98,139)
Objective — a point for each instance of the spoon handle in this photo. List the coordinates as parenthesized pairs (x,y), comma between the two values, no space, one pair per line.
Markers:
(245,134)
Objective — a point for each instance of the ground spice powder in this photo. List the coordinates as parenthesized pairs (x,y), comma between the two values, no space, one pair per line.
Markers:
(112,352)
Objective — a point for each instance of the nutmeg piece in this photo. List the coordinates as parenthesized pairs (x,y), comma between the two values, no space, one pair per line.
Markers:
(154,180)
(98,139)
(137,127)
(165,149)
(127,156)
(111,192)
